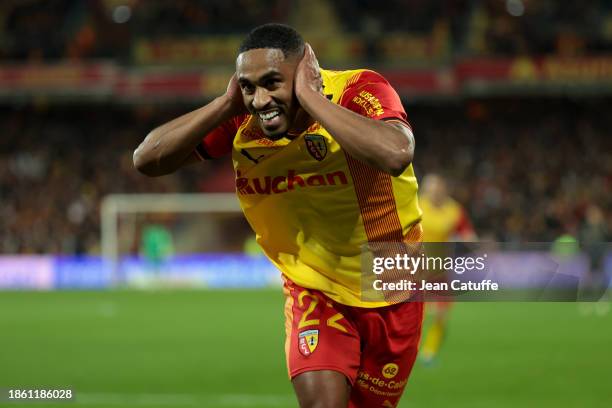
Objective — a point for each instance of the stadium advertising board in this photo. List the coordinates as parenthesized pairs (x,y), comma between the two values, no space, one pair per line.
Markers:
(547,274)
(464,76)
(93,272)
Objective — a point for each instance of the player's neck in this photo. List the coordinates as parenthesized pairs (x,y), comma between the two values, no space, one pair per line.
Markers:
(302,122)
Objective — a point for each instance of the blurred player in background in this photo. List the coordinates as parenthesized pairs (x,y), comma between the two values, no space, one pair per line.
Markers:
(323,166)
(444,220)
(156,247)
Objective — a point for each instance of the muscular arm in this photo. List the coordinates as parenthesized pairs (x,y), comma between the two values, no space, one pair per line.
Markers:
(386,145)
(171,145)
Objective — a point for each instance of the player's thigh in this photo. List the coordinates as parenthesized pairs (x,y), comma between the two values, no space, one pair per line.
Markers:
(391,340)
(322,389)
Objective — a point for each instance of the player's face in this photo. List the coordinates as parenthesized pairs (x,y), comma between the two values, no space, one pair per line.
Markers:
(265,77)
(435,188)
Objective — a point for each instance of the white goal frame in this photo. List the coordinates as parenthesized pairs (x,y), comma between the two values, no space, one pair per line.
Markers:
(115,204)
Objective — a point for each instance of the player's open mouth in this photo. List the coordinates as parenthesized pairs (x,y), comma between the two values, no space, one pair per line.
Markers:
(270,118)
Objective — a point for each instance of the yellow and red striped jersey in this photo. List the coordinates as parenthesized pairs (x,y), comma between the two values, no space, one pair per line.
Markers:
(311,204)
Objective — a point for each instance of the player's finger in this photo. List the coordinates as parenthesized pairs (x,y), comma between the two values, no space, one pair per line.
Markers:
(310,52)
(306,51)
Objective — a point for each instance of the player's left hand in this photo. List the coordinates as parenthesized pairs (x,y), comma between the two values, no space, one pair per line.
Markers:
(307,74)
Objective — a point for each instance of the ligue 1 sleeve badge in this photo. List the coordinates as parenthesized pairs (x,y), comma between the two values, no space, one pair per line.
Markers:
(316,146)
(308,341)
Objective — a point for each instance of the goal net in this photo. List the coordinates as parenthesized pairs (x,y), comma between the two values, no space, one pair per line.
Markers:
(181,240)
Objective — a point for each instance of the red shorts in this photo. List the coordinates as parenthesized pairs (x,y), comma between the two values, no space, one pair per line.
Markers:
(374,348)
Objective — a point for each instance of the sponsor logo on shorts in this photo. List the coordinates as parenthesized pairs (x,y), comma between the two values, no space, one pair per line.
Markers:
(378,386)
(316,146)
(308,341)
(390,370)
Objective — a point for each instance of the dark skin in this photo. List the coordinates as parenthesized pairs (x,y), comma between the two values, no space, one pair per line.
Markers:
(265,82)
(284,93)
(322,389)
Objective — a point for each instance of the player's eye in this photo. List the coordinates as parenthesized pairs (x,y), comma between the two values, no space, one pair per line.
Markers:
(271,83)
(247,88)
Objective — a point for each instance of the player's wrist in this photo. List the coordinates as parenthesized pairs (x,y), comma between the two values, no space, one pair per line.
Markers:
(308,97)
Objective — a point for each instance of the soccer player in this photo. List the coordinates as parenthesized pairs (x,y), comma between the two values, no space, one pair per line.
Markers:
(444,220)
(323,166)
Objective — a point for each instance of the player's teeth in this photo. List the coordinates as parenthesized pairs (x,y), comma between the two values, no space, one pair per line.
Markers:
(269,115)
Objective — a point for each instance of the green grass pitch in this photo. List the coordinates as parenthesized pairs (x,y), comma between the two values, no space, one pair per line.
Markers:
(225,349)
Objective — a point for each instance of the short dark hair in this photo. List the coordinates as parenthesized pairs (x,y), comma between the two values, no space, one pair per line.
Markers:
(279,36)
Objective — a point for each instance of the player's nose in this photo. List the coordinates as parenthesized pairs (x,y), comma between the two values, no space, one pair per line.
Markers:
(261,98)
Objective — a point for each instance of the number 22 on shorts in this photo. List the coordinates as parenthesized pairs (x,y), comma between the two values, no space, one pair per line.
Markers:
(314,301)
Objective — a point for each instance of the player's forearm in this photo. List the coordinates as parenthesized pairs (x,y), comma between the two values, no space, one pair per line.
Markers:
(167,147)
(380,144)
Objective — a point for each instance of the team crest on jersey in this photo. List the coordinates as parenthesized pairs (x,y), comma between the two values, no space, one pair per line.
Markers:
(308,341)
(316,145)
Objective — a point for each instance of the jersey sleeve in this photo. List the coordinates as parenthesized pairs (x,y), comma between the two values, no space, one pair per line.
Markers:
(464,227)
(218,143)
(369,94)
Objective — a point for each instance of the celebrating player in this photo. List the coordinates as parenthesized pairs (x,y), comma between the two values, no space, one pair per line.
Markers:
(323,166)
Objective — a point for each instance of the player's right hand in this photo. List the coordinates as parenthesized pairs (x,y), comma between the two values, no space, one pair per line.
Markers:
(234,95)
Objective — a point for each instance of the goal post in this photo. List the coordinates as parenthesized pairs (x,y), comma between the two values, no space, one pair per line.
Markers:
(213,255)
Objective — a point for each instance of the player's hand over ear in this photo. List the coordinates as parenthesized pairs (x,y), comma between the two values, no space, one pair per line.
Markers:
(308,74)
(233,94)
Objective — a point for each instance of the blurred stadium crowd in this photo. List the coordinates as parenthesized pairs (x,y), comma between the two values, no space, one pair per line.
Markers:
(517,165)
(526,168)
(75,29)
